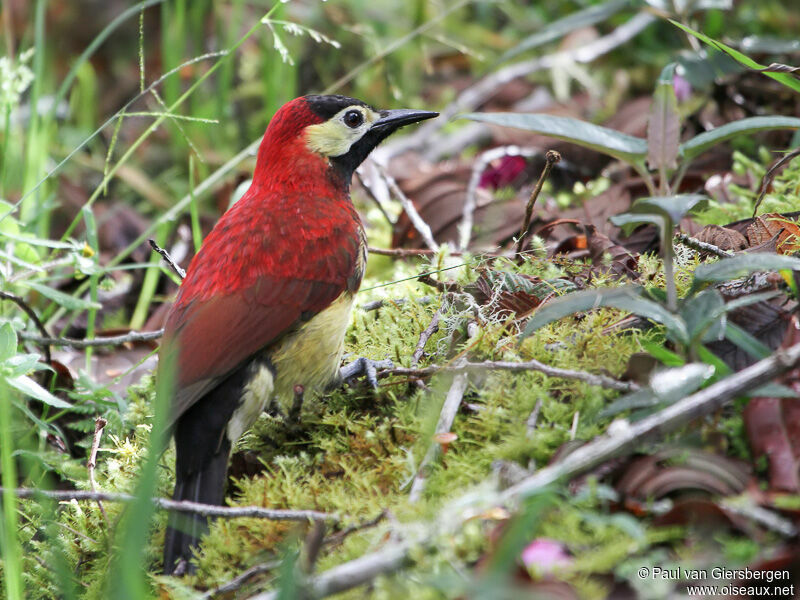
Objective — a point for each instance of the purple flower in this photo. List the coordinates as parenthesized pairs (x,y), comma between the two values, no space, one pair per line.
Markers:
(682,87)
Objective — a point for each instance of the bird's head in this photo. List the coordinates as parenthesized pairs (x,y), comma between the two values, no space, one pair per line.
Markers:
(340,130)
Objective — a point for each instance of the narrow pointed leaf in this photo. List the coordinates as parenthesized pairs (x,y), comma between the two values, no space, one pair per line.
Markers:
(672,207)
(29,387)
(60,298)
(700,143)
(602,139)
(625,298)
(784,78)
(557,29)
(744,264)
(664,124)
(8,341)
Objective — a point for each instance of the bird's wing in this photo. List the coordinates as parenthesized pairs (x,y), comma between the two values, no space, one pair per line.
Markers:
(214,336)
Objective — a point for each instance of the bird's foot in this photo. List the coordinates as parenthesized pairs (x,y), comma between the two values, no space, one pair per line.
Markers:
(366,367)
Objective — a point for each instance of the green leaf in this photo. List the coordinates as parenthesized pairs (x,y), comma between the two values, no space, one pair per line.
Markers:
(8,341)
(746,341)
(709,311)
(660,353)
(700,143)
(744,264)
(673,207)
(772,390)
(664,124)
(632,219)
(60,298)
(29,387)
(784,78)
(708,357)
(703,315)
(22,364)
(556,29)
(624,298)
(619,145)
(666,387)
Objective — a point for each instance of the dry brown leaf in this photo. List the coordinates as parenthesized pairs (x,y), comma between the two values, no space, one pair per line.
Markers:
(722,237)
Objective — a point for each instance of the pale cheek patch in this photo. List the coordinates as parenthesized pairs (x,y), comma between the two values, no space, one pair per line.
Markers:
(329,138)
(333,137)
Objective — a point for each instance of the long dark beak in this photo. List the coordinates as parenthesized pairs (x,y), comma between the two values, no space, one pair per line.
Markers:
(395,119)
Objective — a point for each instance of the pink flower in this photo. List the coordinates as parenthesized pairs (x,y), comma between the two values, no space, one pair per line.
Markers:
(502,172)
(545,555)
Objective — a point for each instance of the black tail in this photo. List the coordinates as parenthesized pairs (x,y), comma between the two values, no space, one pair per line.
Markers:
(205,485)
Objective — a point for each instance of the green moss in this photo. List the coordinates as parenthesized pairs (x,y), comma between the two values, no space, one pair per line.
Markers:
(356,451)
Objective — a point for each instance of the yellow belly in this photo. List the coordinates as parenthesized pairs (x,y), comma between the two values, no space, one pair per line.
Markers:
(310,356)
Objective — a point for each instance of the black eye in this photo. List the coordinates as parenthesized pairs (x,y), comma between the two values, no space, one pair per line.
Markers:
(353,118)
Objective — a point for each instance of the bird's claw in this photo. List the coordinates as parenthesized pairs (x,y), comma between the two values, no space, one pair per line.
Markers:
(366,367)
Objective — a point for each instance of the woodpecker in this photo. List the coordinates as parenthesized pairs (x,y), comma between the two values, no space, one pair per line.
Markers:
(266,300)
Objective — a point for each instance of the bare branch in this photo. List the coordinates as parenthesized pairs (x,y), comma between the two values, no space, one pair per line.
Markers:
(354,573)
(167,258)
(112,340)
(480,165)
(628,436)
(99,425)
(446,418)
(533,418)
(551,157)
(531,365)
(426,334)
(696,244)
(184,506)
(35,318)
(241,579)
(417,221)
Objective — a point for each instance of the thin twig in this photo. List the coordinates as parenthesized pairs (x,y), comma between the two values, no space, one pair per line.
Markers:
(167,258)
(112,340)
(573,431)
(480,165)
(426,334)
(478,93)
(416,220)
(394,557)
(446,418)
(241,579)
(551,157)
(371,193)
(353,573)
(339,537)
(442,286)
(745,506)
(627,436)
(404,252)
(533,418)
(99,425)
(376,304)
(183,506)
(696,244)
(770,175)
(35,318)
(531,365)
(312,547)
